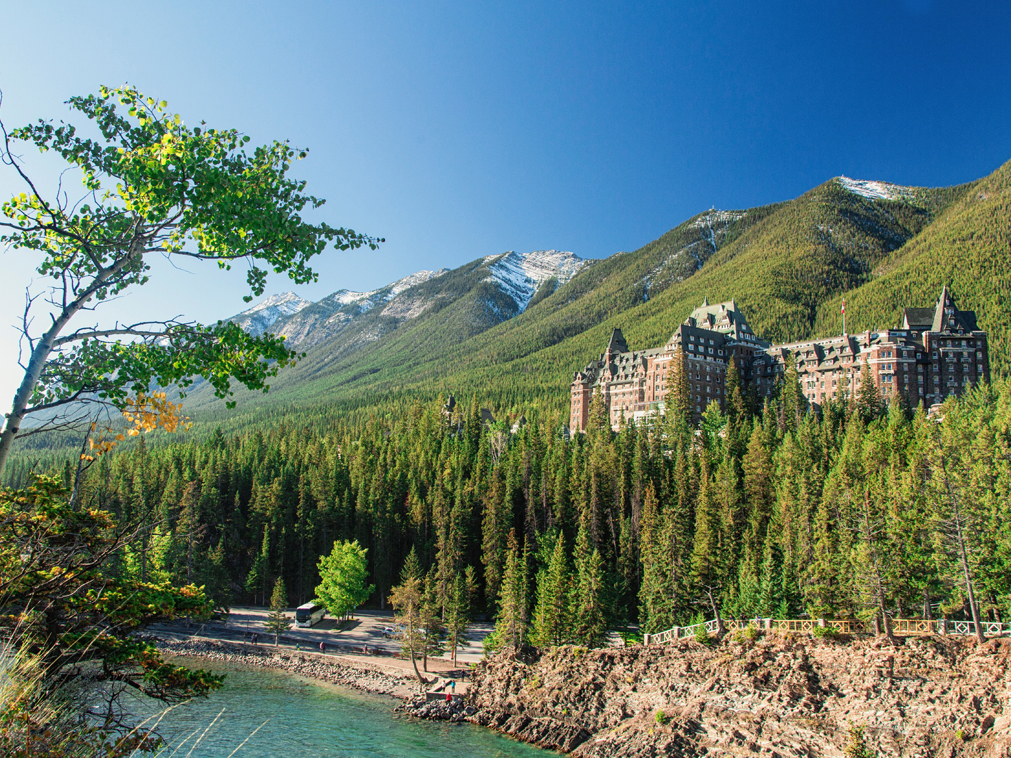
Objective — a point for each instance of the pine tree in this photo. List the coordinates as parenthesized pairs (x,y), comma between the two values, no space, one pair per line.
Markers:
(736,407)
(276,621)
(430,619)
(511,624)
(588,601)
(406,600)
(256,580)
(493,537)
(868,404)
(458,611)
(678,401)
(958,501)
(706,552)
(412,566)
(656,611)
(551,624)
(792,399)
(598,422)
(758,471)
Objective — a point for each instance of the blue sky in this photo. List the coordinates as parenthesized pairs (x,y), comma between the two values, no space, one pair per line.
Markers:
(461,129)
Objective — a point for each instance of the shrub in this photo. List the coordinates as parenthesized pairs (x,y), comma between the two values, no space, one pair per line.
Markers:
(629,637)
(702,636)
(826,632)
(661,718)
(857,747)
(751,632)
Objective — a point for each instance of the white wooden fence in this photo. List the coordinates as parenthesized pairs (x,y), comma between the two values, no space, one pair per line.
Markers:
(901,627)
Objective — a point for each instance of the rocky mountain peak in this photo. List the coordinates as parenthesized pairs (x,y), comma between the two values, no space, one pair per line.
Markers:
(521,274)
(266,313)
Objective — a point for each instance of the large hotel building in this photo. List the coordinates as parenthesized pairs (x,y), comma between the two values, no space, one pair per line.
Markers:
(936,352)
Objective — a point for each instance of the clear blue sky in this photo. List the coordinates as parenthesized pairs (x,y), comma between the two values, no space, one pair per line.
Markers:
(463,129)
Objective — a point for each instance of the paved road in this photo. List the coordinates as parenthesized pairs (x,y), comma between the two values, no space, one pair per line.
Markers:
(366,628)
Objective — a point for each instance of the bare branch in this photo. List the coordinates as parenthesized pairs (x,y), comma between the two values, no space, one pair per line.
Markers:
(134,330)
(83,395)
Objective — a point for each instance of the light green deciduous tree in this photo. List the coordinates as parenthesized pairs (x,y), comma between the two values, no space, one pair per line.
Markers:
(342,574)
(152,186)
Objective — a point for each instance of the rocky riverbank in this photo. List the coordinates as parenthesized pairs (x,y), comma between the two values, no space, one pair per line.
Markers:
(772,696)
(359,675)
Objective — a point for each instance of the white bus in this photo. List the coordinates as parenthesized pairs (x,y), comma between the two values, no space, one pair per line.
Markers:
(309,614)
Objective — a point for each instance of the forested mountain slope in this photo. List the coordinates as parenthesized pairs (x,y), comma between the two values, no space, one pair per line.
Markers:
(968,248)
(787,265)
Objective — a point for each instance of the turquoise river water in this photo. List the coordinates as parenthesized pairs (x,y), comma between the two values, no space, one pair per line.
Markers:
(305,718)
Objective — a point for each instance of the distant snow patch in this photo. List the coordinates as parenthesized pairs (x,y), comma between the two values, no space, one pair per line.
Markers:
(875,190)
(521,274)
(407,308)
(714,217)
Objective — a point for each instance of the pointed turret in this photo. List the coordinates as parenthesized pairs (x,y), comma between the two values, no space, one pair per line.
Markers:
(943,305)
(947,318)
(617,344)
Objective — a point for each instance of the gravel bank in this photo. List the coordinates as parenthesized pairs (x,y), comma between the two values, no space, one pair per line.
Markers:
(342,671)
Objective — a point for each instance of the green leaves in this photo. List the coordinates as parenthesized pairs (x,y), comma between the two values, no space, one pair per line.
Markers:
(57,587)
(343,574)
(156,186)
(176,355)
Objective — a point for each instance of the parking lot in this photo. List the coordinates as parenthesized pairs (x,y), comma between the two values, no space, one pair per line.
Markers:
(365,629)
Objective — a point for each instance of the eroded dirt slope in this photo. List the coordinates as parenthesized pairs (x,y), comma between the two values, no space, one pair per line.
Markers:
(773,696)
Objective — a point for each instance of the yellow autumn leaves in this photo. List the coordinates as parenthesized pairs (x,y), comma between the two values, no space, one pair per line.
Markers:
(143,413)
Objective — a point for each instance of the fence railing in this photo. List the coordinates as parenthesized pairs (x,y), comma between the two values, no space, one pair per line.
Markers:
(913,626)
(902,627)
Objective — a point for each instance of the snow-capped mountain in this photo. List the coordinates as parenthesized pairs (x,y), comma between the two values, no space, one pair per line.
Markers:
(368,300)
(873,190)
(336,312)
(521,274)
(263,315)
(474,297)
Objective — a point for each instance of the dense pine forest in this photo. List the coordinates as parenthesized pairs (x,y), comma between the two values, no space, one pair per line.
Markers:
(776,511)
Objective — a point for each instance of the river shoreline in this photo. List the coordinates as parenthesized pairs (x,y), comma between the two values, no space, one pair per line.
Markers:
(333,669)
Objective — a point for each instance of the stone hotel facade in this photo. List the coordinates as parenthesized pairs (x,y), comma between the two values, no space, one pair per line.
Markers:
(936,352)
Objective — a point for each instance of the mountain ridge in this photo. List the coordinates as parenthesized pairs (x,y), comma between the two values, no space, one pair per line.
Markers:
(787,265)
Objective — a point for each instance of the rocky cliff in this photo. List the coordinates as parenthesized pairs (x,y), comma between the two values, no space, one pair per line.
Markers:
(772,696)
